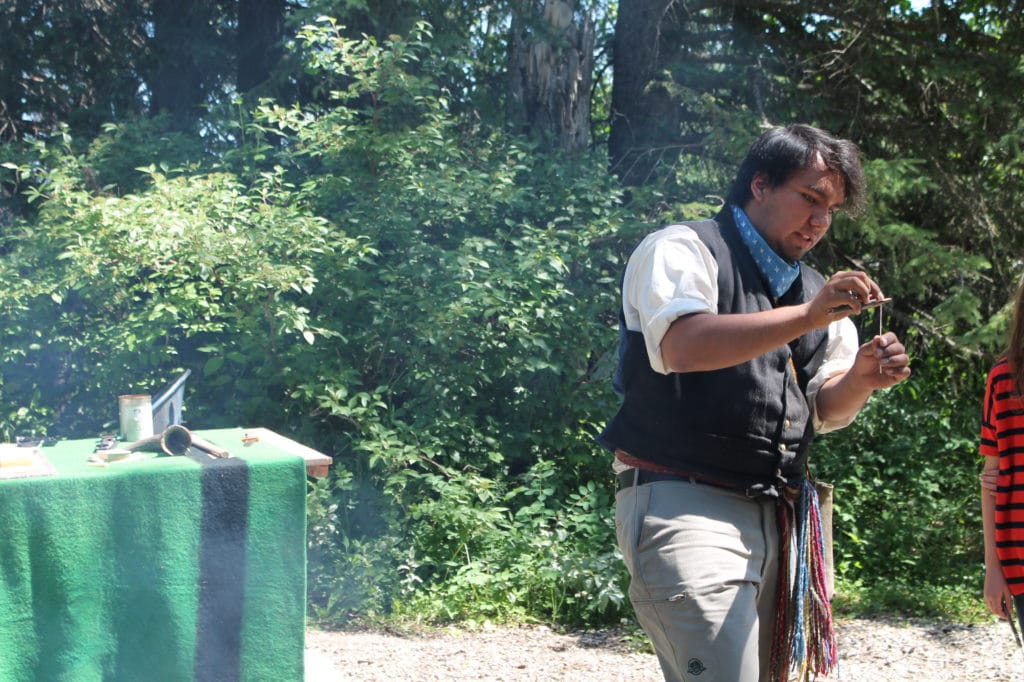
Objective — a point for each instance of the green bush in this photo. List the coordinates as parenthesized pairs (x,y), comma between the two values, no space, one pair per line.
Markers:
(200,270)
(540,551)
(465,360)
(907,504)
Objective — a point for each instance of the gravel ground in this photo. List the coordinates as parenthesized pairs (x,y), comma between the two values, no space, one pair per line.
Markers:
(871,650)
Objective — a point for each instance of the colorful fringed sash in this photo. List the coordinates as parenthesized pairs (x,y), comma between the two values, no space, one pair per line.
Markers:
(805,639)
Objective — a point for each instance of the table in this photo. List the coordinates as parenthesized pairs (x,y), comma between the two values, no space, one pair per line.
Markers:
(166,568)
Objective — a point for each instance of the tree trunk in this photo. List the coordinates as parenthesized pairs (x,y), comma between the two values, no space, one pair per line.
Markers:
(645,116)
(12,69)
(551,66)
(260,27)
(182,36)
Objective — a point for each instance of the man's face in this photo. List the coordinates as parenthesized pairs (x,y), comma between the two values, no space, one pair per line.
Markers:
(795,215)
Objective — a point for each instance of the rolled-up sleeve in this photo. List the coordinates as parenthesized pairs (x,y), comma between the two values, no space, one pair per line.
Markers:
(669,275)
(841,348)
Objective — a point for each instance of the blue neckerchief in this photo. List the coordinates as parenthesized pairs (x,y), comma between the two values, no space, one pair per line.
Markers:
(777,273)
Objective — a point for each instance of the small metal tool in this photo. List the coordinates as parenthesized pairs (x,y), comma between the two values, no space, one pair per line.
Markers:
(867,306)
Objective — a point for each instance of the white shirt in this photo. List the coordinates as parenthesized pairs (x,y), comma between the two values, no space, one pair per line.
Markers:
(672,273)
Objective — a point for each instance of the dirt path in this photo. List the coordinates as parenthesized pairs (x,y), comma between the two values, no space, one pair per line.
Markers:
(875,650)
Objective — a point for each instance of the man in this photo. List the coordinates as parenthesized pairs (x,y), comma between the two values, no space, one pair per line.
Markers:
(732,353)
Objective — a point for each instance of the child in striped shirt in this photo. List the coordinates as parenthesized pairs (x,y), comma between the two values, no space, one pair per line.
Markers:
(1002,478)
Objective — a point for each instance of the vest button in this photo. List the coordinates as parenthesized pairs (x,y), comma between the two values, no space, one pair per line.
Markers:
(787,424)
(782,447)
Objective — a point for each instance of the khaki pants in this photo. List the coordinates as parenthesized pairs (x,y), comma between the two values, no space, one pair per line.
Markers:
(703,563)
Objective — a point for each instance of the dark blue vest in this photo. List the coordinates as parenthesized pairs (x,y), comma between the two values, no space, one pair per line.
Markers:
(746,426)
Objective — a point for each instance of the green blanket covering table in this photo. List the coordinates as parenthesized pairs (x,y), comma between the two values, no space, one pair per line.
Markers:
(168,568)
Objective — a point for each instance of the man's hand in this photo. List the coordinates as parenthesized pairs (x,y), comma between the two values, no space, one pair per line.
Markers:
(844,294)
(881,362)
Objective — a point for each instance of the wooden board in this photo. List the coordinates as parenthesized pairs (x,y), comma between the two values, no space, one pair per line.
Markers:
(317,463)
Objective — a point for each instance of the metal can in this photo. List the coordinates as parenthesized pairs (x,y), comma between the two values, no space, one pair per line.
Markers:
(136,412)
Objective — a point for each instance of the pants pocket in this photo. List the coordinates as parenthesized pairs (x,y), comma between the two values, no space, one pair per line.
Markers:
(630,510)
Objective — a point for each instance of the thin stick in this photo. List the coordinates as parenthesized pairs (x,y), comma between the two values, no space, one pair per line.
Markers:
(1013,626)
(1008,611)
(880,309)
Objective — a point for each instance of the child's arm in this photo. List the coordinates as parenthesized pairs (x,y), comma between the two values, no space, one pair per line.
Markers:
(996,592)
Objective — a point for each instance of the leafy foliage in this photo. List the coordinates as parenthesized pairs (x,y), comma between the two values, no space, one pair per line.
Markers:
(465,352)
(532,559)
(906,505)
(197,270)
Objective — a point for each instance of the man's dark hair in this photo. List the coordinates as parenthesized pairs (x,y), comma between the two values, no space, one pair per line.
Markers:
(782,152)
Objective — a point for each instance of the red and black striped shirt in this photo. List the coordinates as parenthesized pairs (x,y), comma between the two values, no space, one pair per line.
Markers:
(1002,436)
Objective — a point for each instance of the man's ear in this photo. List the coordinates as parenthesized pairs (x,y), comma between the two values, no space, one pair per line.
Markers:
(758,186)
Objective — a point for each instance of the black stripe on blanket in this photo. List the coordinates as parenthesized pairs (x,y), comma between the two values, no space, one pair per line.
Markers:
(222,544)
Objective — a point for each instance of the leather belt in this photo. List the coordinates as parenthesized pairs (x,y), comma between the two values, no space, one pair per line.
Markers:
(641,476)
(627,478)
